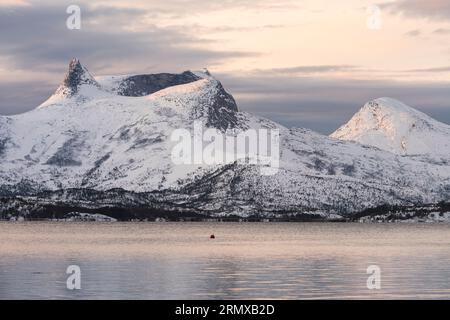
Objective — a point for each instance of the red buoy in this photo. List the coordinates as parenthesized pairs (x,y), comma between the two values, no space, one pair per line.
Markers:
(212,236)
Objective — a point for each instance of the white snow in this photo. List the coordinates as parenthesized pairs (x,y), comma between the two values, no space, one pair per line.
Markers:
(107,141)
(391,125)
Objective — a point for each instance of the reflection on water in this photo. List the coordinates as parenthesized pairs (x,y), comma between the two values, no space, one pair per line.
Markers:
(245,261)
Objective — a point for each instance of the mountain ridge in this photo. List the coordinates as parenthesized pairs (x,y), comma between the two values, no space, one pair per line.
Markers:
(78,149)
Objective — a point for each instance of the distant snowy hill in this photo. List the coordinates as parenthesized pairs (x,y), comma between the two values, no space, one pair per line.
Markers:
(105,142)
(393,126)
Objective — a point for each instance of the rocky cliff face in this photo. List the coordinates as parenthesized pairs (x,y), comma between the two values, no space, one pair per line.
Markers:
(145,84)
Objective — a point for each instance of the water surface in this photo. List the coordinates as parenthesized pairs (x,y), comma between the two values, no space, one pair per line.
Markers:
(245,261)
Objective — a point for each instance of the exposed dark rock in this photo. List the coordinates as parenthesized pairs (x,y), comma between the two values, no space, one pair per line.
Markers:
(3,142)
(77,76)
(145,84)
(219,109)
(144,142)
(349,170)
(222,112)
(65,156)
(94,169)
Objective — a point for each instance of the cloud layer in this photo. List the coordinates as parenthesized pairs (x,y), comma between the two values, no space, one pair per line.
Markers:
(422,8)
(323,105)
(38,42)
(283,83)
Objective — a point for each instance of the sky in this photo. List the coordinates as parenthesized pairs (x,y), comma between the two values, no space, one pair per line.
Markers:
(304,63)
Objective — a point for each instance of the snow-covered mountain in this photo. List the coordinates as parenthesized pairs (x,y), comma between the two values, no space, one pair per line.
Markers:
(105,142)
(393,126)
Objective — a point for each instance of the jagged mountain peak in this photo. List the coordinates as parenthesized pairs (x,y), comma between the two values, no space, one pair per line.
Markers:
(77,76)
(78,82)
(195,93)
(391,125)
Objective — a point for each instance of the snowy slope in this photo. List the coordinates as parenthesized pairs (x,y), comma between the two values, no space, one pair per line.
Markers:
(393,126)
(104,134)
(97,139)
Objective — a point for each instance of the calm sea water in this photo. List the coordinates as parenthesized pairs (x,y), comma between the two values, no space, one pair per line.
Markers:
(245,261)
